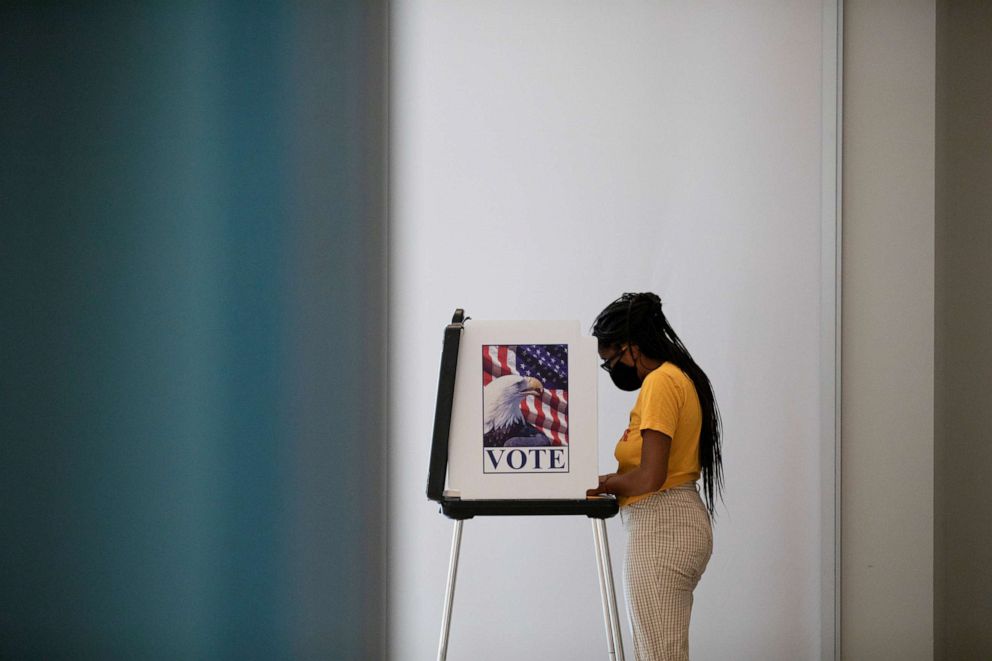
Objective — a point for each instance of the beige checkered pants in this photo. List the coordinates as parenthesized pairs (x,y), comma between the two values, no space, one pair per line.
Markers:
(669,543)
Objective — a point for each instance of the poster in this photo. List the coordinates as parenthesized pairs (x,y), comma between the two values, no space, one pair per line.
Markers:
(525,408)
(524,417)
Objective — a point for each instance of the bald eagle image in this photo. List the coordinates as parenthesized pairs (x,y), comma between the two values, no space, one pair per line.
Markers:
(503,421)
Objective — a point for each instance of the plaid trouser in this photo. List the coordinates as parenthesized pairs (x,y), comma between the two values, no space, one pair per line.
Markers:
(669,543)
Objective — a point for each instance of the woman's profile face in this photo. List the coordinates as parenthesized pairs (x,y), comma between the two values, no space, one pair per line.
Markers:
(630,356)
(611,355)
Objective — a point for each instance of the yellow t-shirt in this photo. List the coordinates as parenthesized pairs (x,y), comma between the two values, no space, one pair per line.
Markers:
(667,403)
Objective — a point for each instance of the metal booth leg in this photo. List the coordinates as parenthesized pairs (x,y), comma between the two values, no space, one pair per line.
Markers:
(614,638)
(456,543)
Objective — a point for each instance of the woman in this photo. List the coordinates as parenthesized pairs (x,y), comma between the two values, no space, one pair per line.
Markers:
(672,441)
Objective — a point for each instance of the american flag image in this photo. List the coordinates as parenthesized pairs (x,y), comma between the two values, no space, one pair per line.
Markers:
(547,363)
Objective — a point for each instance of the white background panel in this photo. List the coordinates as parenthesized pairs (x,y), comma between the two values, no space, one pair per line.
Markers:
(547,156)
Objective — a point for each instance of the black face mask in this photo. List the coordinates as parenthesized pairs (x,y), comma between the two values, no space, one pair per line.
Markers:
(625,377)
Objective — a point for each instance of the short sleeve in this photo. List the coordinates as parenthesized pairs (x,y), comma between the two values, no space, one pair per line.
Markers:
(661,402)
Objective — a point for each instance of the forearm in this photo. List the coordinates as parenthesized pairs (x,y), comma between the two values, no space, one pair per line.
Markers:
(647,477)
(634,483)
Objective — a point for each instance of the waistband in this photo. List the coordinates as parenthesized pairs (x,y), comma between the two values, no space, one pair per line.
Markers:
(678,491)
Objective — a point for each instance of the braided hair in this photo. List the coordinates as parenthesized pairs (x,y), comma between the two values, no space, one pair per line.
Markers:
(638,319)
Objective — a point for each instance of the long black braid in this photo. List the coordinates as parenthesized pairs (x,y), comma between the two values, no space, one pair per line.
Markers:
(638,319)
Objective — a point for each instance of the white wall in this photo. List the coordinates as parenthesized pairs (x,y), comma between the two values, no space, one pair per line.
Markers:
(888,331)
(547,156)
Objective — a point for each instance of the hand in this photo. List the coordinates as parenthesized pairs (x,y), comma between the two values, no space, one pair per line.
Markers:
(601,487)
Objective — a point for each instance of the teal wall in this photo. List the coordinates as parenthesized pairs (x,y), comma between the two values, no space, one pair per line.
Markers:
(192,330)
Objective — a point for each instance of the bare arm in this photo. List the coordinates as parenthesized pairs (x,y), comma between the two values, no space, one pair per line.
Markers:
(646,478)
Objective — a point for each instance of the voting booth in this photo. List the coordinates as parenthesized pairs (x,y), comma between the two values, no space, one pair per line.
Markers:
(515,435)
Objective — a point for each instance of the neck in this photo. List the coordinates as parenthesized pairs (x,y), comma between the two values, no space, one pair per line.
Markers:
(646,365)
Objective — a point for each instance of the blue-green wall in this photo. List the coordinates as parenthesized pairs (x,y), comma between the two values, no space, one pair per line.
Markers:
(192,332)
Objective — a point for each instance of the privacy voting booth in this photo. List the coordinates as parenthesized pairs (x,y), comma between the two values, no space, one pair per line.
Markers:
(515,435)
